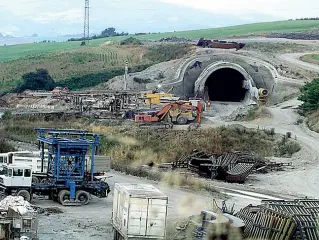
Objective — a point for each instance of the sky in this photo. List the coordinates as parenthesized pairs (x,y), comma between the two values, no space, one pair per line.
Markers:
(60,17)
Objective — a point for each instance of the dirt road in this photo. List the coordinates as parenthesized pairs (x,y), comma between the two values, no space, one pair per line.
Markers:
(294,59)
(302,180)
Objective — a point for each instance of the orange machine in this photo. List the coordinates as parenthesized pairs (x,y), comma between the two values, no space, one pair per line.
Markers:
(172,113)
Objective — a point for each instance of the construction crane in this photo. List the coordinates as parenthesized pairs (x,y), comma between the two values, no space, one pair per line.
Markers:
(172,113)
(70,180)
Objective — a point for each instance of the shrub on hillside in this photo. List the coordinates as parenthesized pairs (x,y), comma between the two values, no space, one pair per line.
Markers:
(131,41)
(310,96)
(38,80)
(90,80)
(6,147)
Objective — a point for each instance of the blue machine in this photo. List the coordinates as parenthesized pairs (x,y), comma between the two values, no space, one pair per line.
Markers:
(68,179)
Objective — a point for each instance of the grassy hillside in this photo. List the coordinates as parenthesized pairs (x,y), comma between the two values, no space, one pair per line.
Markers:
(87,67)
(311,58)
(17,51)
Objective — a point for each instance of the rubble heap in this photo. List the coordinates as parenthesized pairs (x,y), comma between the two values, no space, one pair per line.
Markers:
(231,167)
(314,35)
(18,204)
(175,39)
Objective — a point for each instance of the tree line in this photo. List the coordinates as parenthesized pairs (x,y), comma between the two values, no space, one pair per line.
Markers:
(108,32)
(314,18)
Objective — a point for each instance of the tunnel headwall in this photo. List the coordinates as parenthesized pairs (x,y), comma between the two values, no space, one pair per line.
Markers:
(222,70)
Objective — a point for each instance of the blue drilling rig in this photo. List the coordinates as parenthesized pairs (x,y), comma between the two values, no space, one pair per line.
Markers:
(67,175)
(69,179)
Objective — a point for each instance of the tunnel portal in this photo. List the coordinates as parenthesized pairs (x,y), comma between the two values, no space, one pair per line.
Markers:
(225,84)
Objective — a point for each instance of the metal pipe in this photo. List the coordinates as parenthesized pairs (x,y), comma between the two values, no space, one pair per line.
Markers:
(42,157)
(92,163)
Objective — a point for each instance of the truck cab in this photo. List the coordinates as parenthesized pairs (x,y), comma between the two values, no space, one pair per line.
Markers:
(16,179)
(15,176)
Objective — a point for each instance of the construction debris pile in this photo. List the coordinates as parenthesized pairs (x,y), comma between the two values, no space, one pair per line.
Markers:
(18,220)
(18,204)
(279,219)
(313,35)
(230,167)
(175,39)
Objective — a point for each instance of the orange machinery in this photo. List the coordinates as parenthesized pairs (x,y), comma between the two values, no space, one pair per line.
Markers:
(172,113)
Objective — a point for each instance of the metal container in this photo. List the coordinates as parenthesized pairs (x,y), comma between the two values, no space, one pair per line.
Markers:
(139,212)
(5,229)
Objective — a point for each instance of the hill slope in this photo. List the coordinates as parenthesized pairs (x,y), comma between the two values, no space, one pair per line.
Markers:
(8,53)
(87,67)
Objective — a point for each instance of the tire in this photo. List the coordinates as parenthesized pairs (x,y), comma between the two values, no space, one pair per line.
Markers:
(25,194)
(35,179)
(181,120)
(54,197)
(44,181)
(83,197)
(64,196)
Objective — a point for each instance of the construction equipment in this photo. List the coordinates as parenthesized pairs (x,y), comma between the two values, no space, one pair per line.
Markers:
(219,44)
(155,98)
(172,113)
(69,179)
(263,96)
(39,167)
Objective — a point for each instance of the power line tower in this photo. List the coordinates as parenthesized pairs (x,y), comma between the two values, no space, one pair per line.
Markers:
(86,34)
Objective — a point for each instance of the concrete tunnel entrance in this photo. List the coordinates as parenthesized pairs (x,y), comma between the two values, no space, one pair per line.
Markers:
(226,85)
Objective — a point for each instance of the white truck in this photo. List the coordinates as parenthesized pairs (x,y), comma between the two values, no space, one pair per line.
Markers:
(139,212)
(34,160)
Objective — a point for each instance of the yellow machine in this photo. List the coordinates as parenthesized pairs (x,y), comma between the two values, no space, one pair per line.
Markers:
(155,98)
(263,95)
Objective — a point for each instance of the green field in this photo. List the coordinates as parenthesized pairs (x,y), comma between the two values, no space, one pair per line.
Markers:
(8,53)
(311,58)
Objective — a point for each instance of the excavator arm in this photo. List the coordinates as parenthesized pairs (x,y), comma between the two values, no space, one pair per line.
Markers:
(164,111)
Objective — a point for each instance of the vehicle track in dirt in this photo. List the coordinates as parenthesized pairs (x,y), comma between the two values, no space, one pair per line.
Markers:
(303,180)
(294,59)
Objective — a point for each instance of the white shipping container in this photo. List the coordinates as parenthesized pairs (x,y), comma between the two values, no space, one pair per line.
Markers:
(139,211)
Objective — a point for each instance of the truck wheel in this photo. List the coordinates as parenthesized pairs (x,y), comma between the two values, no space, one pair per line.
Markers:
(35,179)
(64,196)
(44,181)
(182,120)
(53,197)
(83,197)
(25,194)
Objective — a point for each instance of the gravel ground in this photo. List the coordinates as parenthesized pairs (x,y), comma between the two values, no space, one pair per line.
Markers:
(94,220)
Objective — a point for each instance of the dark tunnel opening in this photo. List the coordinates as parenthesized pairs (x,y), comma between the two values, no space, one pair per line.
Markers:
(226,85)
